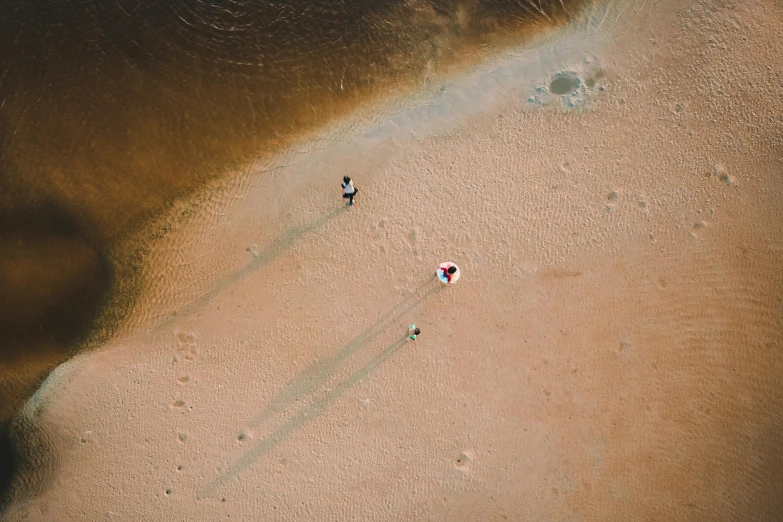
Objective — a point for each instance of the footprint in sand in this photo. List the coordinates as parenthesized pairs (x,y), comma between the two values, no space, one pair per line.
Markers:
(186,349)
(464,461)
(611,200)
(698,227)
(186,345)
(379,230)
(719,172)
(679,108)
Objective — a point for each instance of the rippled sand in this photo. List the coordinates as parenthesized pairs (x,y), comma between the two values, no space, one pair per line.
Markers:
(611,351)
(112,111)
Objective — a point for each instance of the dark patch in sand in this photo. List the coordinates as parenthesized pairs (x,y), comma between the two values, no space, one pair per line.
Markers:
(110,111)
(564,85)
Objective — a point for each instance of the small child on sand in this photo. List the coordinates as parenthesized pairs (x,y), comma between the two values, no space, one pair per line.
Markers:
(413,332)
(349,191)
(448,273)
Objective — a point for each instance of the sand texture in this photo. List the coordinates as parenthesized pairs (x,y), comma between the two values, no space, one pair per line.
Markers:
(613,349)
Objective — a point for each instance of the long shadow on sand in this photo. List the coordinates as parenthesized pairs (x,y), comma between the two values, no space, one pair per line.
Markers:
(272,252)
(16,455)
(317,374)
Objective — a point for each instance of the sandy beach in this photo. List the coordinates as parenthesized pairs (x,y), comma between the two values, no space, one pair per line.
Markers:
(613,349)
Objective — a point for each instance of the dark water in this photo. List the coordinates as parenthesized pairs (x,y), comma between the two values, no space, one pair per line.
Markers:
(111,110)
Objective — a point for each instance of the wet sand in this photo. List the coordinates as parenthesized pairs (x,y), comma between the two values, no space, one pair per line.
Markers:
(611,351)
(112,112)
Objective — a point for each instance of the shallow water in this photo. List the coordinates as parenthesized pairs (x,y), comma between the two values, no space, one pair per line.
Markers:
(110,111)
(563,85)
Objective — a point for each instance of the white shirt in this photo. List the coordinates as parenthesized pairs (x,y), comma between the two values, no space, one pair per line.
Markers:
(349,187)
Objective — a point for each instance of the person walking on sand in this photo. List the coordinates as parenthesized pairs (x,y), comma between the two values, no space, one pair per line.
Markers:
(413,332)
(448,273)
(349,191)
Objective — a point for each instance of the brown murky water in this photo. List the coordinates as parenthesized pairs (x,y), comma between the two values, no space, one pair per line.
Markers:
(111,110)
